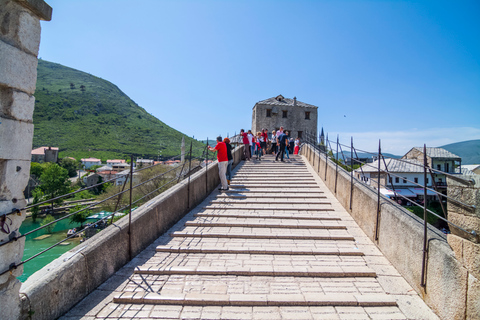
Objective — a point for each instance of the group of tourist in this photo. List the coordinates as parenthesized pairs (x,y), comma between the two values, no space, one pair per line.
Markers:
(259,144)
(280,144)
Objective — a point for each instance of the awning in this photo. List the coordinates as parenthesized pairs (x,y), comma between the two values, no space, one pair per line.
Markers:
(419,191)
(403,192)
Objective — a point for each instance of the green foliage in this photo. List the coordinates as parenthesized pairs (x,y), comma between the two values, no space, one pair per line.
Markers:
(86,116)
(49,218)
(80,217)
(431,219)
(54,181)
(85,194)
(37,196)
(71,165)
(37,169)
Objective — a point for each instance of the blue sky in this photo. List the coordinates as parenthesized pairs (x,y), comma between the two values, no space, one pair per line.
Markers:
(405,72)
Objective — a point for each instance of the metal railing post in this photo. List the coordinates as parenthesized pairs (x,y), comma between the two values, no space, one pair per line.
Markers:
(189,175)
(206,167)
(351,172)
(378,191)
(130,210)
(326,158)
(336,167)
(424,260)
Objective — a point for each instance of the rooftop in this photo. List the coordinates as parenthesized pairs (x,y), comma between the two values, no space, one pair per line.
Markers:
(394,165)
(281,101)
(41,150)
(439,153)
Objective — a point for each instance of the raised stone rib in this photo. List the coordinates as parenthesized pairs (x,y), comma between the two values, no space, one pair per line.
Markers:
(273,240)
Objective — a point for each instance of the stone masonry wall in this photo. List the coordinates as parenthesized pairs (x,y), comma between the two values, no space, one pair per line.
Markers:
(19,44)
(295,120)
(467,246)
(452,289)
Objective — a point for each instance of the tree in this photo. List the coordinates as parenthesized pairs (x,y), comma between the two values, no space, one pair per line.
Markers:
(80,217)
(49,218)
(54,181)
(71,165)
(37,196)
(36,169)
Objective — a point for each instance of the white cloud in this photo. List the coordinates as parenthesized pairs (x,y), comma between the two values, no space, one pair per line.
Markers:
(400,142)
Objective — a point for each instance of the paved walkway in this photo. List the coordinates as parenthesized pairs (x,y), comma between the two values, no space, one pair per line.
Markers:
(277,245)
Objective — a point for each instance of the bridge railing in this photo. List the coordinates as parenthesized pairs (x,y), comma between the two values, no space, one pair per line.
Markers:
(331,155)
(169,178)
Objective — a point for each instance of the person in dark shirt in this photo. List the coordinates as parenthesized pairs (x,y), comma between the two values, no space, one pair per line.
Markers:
(281,138)
(230,159)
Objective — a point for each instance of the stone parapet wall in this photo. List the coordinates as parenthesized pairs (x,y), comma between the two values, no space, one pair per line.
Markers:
(55,289)
(19,45)
(451,290)
(466,246)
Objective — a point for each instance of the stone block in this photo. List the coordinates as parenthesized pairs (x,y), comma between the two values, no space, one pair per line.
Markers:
(11,253)
(29,32)
(15,139)
(17,69)
(19,27)
(10,300)
(473,298)
(16,104)
(14,220)
(14,175)
(471,257)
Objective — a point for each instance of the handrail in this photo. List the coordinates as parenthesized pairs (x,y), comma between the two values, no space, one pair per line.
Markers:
(473,232)
(179,176)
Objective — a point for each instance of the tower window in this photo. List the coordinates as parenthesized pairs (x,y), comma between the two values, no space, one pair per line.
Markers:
(269,113)
(284,114)
(307,115)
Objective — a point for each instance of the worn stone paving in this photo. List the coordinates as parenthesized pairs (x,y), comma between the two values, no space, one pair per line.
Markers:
(277,245)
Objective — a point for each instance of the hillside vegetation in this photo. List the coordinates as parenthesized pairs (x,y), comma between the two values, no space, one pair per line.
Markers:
(86,116)
(469,151)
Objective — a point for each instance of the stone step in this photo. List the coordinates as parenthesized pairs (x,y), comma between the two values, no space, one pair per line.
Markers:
(335,251)
(290,209)
(288,187)
(196,299)
(275,195)
(266,224)
(327,235)
(280,200)
(261,271)
(267,192)
(267,216)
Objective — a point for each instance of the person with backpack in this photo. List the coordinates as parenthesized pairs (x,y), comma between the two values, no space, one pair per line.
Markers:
(281,138)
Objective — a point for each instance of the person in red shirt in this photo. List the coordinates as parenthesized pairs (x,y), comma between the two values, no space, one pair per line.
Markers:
(246,144)
(222,157)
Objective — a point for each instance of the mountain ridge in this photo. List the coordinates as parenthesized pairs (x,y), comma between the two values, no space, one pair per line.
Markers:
(86,116)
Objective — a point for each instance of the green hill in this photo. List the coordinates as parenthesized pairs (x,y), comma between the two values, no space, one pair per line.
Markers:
(469,151)
(86,116)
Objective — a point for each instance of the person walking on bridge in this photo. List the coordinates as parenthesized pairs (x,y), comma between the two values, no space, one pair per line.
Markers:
(281,138)
(222,157)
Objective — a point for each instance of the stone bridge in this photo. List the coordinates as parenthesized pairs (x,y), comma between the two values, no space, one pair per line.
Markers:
(277,245)
(281,244)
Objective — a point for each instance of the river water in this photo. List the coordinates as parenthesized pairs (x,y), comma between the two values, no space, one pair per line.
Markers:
(33,246)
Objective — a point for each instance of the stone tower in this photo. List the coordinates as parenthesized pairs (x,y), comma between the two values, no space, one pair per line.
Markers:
(297,117)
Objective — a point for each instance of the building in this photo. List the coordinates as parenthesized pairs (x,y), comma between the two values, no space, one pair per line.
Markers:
(115,161)
(406,179)
(45,154)
(473,168)
(294,116)
(90,162)
(438,159)
(144,163)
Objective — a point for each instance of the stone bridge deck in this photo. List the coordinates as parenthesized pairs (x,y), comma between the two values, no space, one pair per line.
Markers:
(277,245)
